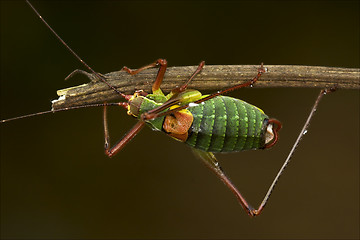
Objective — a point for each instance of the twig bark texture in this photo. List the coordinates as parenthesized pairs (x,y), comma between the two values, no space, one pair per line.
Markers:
(211,78)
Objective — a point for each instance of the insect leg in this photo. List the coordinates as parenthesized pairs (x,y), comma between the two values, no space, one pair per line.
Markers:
(296,144)
(199,68)
(184,86)
(126,139)
(261,70)
(210,161)
(160,76)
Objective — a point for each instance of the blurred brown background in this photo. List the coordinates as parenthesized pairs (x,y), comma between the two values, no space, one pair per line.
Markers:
(56,181)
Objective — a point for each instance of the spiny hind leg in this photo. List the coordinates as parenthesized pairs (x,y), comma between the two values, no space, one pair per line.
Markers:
(211,162)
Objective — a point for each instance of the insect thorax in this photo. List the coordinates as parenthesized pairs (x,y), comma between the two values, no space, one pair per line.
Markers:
(141,104)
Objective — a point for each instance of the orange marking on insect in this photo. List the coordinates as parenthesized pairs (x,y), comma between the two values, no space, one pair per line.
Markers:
(178,124)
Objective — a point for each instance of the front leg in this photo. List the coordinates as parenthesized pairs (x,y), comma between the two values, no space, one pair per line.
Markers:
(160,76)
(111,151)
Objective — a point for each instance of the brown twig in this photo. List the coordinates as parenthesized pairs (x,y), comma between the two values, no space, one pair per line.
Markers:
(212,78)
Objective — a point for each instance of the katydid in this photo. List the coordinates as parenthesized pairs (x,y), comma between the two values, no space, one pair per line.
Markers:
(207,123)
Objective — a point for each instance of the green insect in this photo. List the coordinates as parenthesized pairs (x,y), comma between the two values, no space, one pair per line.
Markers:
(211,123)
(207,123)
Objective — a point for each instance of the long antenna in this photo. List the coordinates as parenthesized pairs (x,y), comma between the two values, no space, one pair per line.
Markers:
(73,53)
(122,104)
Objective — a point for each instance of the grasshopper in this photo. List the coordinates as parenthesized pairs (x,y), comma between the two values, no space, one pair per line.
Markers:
(208,123)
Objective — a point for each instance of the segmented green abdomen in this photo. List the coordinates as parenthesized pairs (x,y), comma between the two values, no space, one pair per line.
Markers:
(226,124)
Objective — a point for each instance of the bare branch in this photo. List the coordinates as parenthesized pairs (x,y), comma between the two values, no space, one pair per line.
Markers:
(212,78)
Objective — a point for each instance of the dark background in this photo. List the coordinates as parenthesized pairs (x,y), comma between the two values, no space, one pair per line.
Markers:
(56,181)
